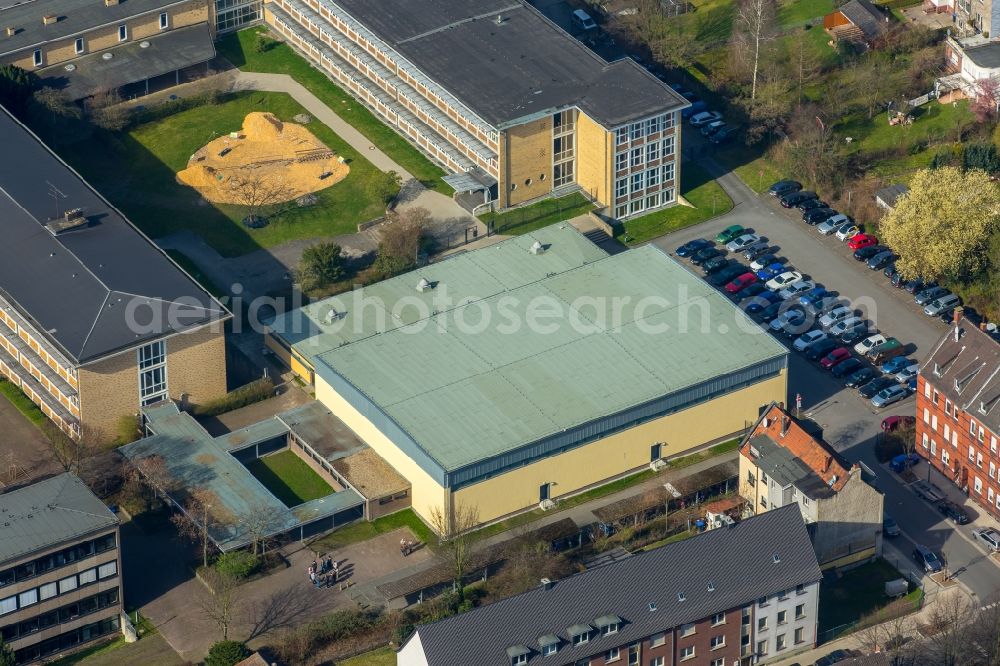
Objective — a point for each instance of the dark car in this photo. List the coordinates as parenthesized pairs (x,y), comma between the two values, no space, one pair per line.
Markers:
(856,332)
(890,527)
(691,247)
(925,296)
(811,204)
(724,135)
(783,187)
(761,301)
(756,249)
(927,559)
(835,656)
(704,254)
(818,350)
(771,311)
(866,253)
(795,198)
(818,215)
(860,377)
(727,274)
(897,280)
(881,259)
(917,285)
(716,264)
(751,290)
(890,270)
(846,367)
(954,512)
(874,386)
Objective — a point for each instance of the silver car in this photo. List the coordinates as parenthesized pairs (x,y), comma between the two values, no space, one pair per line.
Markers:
(989,537)
(890,395)
(938,306)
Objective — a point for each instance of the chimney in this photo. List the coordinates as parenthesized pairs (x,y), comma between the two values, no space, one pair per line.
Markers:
(829,461)
(49,19)
(546,583)
(958,315)
(11,31)
(110,3)
(982,326)
(785,422)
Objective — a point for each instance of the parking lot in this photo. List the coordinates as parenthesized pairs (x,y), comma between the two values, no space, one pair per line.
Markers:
(851,424)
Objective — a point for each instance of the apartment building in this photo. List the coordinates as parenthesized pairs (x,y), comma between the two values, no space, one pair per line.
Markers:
(85,46)
(958,411)
(508,102)
(743,594)
(782,464)
(95,320)
(60,568)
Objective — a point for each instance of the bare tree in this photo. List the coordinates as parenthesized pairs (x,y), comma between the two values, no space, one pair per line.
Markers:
(106,110)
(454,529)
(889,631)
(221,606)
(755,21)
(73,453)
(950,618)
(259,523)
(255,191)
(201,511)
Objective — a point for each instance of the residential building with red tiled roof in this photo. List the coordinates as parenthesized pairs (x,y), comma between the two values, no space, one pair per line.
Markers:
(783,462)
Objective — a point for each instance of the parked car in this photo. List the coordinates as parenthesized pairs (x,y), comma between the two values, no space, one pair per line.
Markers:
(847,367)
(783,187)
(795,198)
(808,338)
(751,290)
(703,255)
(925,296)
(890,271)
(860,377)
(693,246)
(889,395)
(727,133)
(892,423)
(817,351)
(822,304)
(839,313)
(716,264)
(696,107)
(835,656)
(869,343)
(988,537)
(871,389)
(727,274)
(926,558)
(796,289)
(792,317)
(862,240)
(908,373)
(903,462)
(857,331)
(740,282)
(704,118)
(740,242)
(783,280)
(729,233)
(881,259)
(769,313)
(953,512)
(831,224)
(811,204)
(917,285)
(818,215)
(936,307)
(888,349)
(894,365)
(813,295)
(770,272)
(766,260)
(838,355)
(712,127)
(754,250)
(866,253)
(761,301)
(847,231)
(844,325)
(890,527)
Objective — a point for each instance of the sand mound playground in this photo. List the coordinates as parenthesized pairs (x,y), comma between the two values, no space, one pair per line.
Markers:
(282,157)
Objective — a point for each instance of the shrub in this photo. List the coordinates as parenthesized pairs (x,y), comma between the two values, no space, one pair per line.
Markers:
(384,185)
(227,653)
(237,564)
(321,264)
(127,429)
(255,391)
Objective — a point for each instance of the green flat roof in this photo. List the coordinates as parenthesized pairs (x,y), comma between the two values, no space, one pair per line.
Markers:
(466,396)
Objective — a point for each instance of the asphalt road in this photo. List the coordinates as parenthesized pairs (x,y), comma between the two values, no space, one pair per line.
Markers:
(851,424)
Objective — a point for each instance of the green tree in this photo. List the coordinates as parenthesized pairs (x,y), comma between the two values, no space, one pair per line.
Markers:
(6,654)
(942,226)
(321,264)
(15,88)
(227,653)
(384,185)
(399,245)
(981,156)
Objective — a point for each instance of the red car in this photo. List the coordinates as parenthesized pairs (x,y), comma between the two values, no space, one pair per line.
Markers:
(741,282)
(836,356)
(891,423)
(861,240)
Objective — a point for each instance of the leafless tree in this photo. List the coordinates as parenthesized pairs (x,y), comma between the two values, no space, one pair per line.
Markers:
(755,21)
(454,528)
(221,606)
(259,522)
(950,618)
(256,191)
(73,453)
(106,110)
(889,631)
(201,511)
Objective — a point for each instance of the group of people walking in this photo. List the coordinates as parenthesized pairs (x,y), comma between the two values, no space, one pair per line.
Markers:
(325,573)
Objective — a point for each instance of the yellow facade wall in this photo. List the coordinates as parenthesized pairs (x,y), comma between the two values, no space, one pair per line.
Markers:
(528,163)
(428,495)
(613,456)
(595,151)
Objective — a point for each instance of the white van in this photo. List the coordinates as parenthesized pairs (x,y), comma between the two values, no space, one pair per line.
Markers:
(582,20)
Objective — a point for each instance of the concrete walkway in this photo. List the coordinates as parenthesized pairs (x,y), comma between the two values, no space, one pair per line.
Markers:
(286,84)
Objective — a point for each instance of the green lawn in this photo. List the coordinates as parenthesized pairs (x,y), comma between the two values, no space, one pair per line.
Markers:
(239,49)
(530,218)
(855,594)
(707,197)
(23,403)
(797,12)
(136,170)
(289,478)
(933,123)
(380,657)
(363,531)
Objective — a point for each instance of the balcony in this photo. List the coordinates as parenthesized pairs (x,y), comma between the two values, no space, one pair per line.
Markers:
(11,368)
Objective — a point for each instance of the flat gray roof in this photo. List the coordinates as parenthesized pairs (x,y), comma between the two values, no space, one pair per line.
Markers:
(522,66)
(95,290)
(132,62)
(736,562)
(49,513)
(74,17)
(986,56)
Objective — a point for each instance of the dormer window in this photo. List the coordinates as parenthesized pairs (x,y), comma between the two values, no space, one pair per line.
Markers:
(549,644)
(518,655)
(579,633)
(608,624)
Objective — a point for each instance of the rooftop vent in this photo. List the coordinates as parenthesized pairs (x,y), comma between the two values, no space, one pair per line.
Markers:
(681,597)
(144,44)
(546,583)
(331,316)
(10,31)
(108,56)
(652,606)
(711,587)
(71,219)
(499,19)
(49,19)
(424,285)
(110,3)
(537,248)
(776,558)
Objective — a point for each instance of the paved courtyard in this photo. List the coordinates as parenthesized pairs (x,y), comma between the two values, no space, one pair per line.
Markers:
(26,453)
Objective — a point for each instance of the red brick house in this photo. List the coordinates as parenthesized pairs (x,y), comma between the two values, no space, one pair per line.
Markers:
(958,411)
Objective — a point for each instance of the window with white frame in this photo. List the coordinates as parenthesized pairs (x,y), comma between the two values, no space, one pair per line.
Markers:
(667,146)
(108,569)
(972,427)
(621,161)
(998,502)
(614,654)
(652,201)
(989,495)
(779,642)
(721,661)
(67,584)
(800,611)
(550,649)
(799,635)
(621,211)
(8,605)
(924,440)
(718,618)
(978,484)
(122,32)
(78,45)
(36,58)
(668,172)
(519,660)
(934,422)
(48,590)
(761,648)
(947,406)
(687,629)
(652,178)
(637,154)
(762,623)
(979,459)
(954,438)
(633,654)
(88,576)
(609,629)
(782,616)
(933,448)
(945,457)
(637,131)
(656,640)
(27,598)
(972,453)
(621,136)
(982,434)
(936,397)
(927,415)
(656,661)
(580,639)
(637,182)
(621,187)
(164,20)
(668,120)
(687,652)
(993,444)
(653,125)
(652,151)
(718,641)
(927,390)
(947,432)
(666,196)
(152,360)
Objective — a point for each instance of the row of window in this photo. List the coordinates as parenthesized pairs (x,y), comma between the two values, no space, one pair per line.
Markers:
(648,127)
(661,198)
(80,45)
(781,642)
(992,497)
(782,618)
(634,650)
(67,613)
(57,588)
(764,602)
(68,640)
(66,556)
(649,152)
(952,410)
(152,359)
(644,180)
